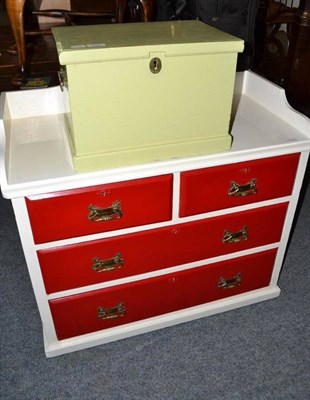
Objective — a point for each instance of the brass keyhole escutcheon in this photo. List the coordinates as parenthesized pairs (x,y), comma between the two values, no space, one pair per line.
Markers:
(155,65)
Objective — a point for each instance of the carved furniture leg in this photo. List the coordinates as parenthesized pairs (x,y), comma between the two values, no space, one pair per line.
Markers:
(121,4)
(148,7)
(15,10)
(142,10)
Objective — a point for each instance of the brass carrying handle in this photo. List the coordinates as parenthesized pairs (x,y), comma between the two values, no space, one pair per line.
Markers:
(114,312)
(243,190)
(229,283)
(110,264)
(62,80)
(234,237)
(105,214)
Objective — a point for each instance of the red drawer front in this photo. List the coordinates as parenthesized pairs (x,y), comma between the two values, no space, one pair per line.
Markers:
(67,214)
(79,314)
(72,266)
(207,189)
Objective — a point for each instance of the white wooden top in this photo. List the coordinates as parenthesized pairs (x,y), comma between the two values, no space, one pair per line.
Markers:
(35,156)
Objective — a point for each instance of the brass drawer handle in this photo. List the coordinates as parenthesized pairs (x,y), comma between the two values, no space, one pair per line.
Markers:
(114,312)
(110,264)
(243,190)
(229,283)
(105,214)
(234,237)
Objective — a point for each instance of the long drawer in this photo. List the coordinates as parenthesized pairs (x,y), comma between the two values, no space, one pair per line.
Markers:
(78,212)
(122,304)
(231,185)
(107,259)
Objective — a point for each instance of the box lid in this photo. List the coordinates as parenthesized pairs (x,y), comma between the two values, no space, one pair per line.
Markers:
(84,44)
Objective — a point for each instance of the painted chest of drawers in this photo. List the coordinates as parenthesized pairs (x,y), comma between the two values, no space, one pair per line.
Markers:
(119,252)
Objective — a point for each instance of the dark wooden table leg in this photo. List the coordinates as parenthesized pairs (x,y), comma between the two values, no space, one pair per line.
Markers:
(148,7)
(142,10)
(15,10)
(121,10)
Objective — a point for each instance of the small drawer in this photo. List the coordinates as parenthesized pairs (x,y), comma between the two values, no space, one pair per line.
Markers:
(95,209)
(226,186)
(101,309)
(83,264)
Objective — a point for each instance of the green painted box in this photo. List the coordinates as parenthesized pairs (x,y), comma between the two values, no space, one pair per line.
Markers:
(141,92)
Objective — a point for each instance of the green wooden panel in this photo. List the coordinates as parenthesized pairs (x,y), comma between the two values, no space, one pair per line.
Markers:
(122,113)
